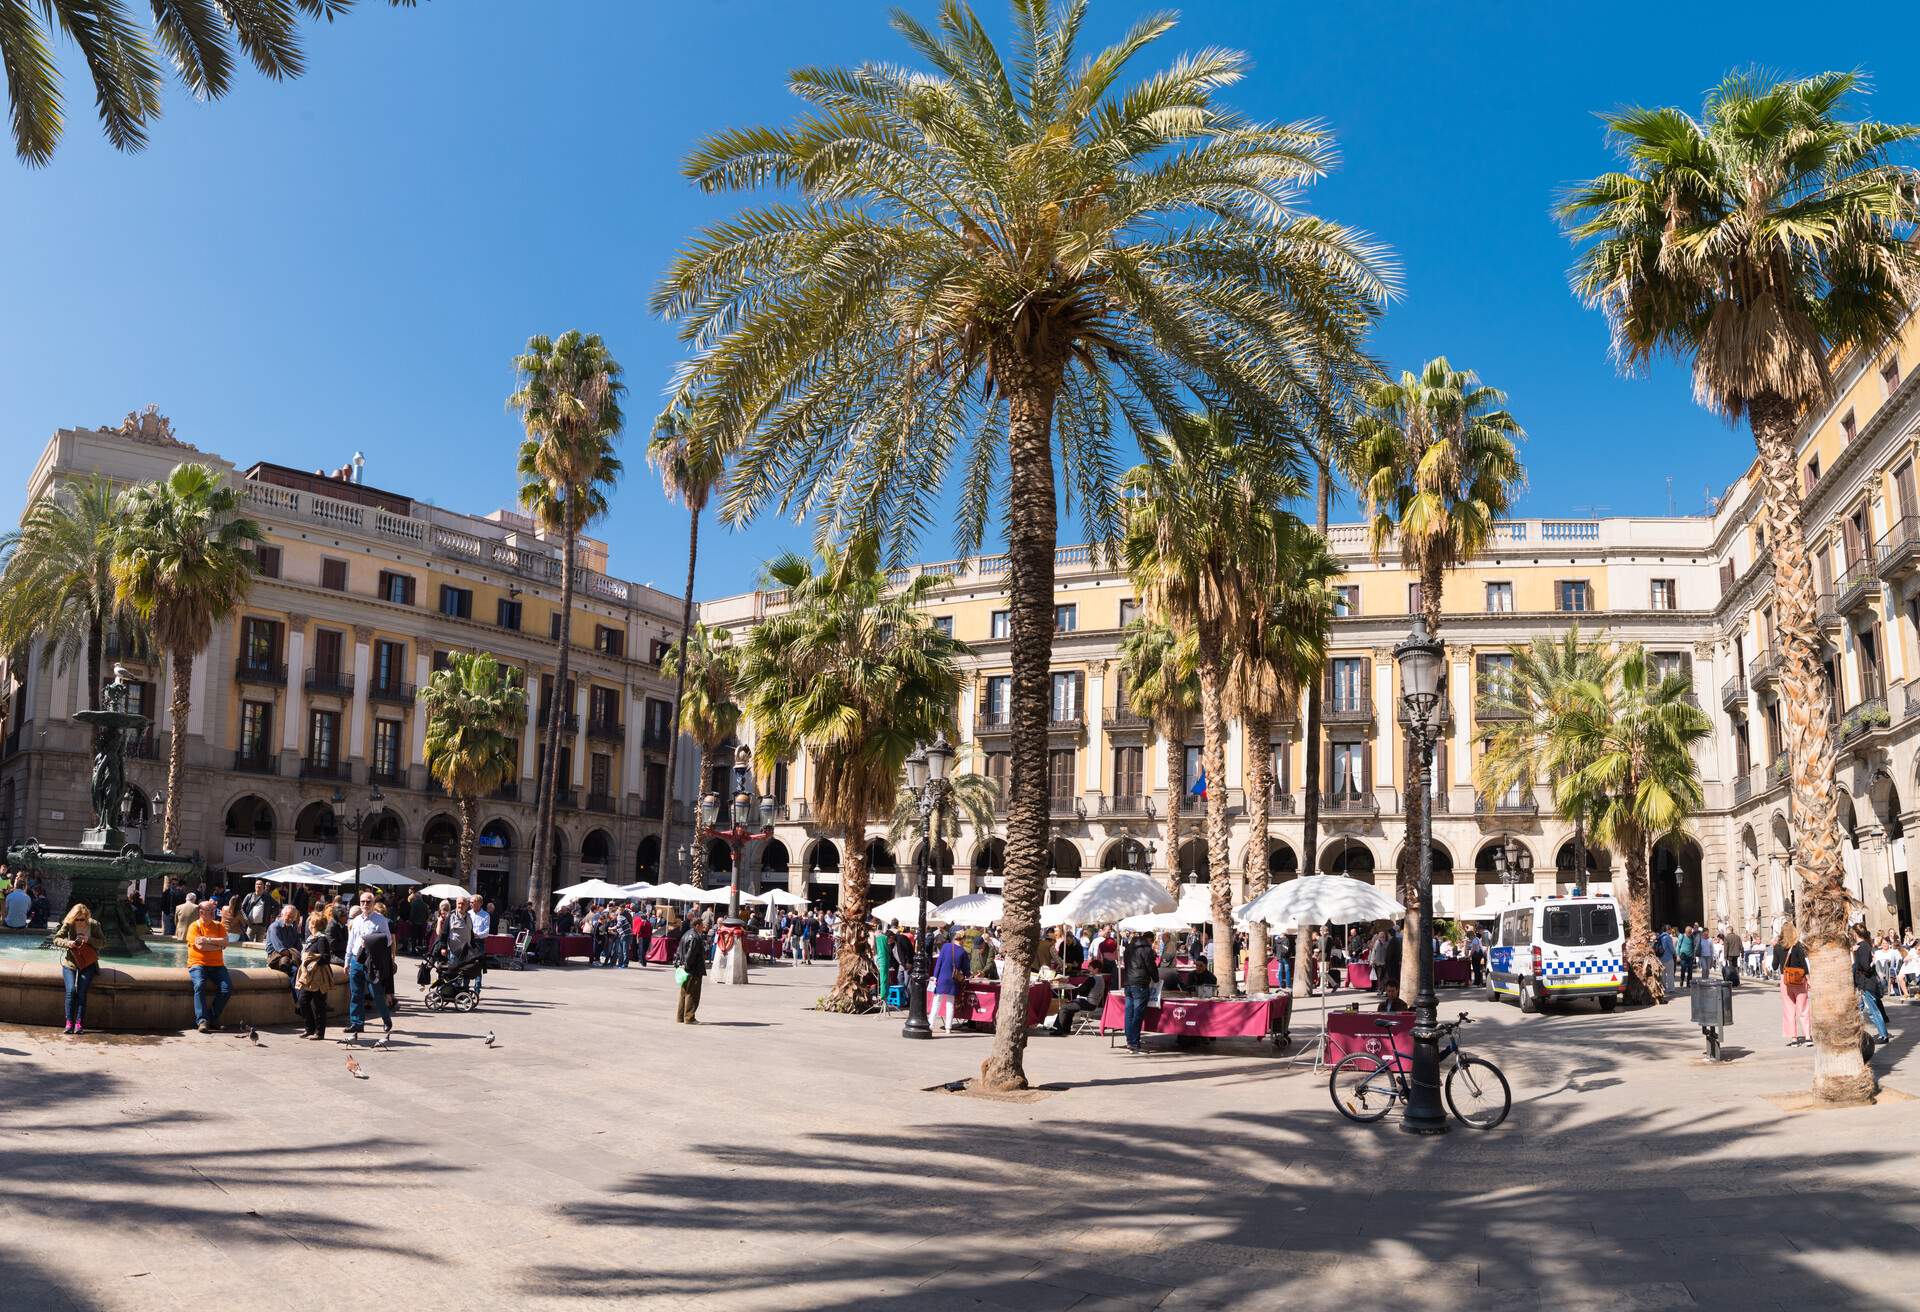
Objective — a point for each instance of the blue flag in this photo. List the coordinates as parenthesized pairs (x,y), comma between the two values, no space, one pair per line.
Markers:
(1199,788)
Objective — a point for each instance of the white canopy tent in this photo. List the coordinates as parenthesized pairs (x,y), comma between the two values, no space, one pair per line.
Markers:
(591,889)
(1320,900)
(377,875)
(300,872)
(448,891)
(974,910)
(1107,899)
(777,897)
(905,909)
(676,893)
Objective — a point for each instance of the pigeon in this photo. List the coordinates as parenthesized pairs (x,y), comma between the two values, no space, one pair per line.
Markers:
(385,1041)
(489,1039)
(253,1035)
(353,1069)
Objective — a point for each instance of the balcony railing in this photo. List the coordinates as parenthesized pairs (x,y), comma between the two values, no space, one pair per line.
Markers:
(507,792)
(268,674)
(337,682)
(1126,804)
(1864,719)
(1346,708)
(1121,716)
(1733,692)
(1763,669)
(611,731)
(1507,804)
(1058,721)
(1779,770)
(1067,808)
(569,720)
(340,771)
(1742,786)
(1280,801)
(1496,705)
(1826,609)
(654,738)
(602,802)
(987,721)
(1898,553)
(1907,705)
(567,799)
(389,778)
(1856,586)
(252,762)
(390,690)
(651,808)
(1364,803)
(143,748)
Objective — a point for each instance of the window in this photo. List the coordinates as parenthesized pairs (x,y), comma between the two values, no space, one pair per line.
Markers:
(1346,600)
(659,719)
(1499,598)
(603,704)
(1414,606)
(333,575)
(1671,664)
(1664,596)
(327,646)
(609,641)
(998,763)
(1347,775)
(600,775)
(266,561)
(441,660)
(553,626)
(456,603)
(396,588)
(386,749)
(658,650)
(779,783)
(260,643)
(1060,775)
(1066,619)
(256,730)
(1890,375)
(1063,705)
(1129,611)
(1813,472)
(1493,676)
(1190,770)
(656,789)
(1849,429)
(1000,624)
(323,738)
(506,614)
(1579,926)
(1742,748)
(943,625)
(1574,595)
(1129,771)
(999,690)
(1347,684)
(1867,643)
(389,665)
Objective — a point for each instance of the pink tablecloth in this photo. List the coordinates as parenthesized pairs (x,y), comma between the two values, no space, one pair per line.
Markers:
(762,945)
(497,945)
(979,1001)
(1213,1018)
(1368,1031)
(575,945)
(1359,975)
(657,948)
(1452,970)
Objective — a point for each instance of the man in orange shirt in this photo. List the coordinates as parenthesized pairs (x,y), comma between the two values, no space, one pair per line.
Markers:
(207,968)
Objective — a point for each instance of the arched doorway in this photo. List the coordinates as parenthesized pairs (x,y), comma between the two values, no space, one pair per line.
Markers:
(935,869)
(719,864)
(1490,888)
(1193,861)
(773,865)
(646,860)
(823,874)
(1343,856)
(383,842)
(440,848)
(1444,907)
(1063,868)
(493,862)
(989,864)
(316,835)
(249,836)
(1678,898)
(1283,863)
(1889,807)
(1125,854)
(596,854)
(882,870)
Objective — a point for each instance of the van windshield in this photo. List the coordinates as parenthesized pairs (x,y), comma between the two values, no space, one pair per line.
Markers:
(1580,926)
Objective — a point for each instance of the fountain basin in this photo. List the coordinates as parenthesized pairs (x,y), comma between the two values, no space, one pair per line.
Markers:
(150,992)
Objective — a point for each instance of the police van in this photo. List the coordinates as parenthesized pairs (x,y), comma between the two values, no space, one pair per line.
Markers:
(1553,949)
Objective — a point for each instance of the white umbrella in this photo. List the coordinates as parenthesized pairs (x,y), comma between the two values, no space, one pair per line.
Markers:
(1108,898)
(445,890)
(780,897)
(592,888)
(300,872)
(977,910)
(677,893)
(905,909)
(1321,900)
(1166,922)
(640,889)
(375,874)
(716,897)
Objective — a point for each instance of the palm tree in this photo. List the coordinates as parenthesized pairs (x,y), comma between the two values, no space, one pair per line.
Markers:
(1329,449)
(476,711)
(1434,457)
(1759,242)
(1281,648)
(858,676)
(1203,531)
(56,585)
(197,36)
(1157,669)
(569,402)
(988,259)
(183,562)
(689,468)
(707,666)
(1639,782)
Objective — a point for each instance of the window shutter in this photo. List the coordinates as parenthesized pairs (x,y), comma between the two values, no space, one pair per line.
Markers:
(1366,770)
(1080,694)
(1364,693)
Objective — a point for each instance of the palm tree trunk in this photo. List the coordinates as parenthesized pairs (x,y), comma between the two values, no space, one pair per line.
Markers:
(540,882)
(1031,380)
(182,698)
(469,812)
(1213,752)
(1176,798)
(1259,785)
(1407,876)
(1839,1074)
(853,948)
(679,691)
(1644,983)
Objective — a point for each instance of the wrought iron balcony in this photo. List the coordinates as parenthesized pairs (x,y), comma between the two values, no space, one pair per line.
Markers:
(1126,804)
(1067,808)
(652,808)
(567,799)
(1122,716)
(340,771)
(655,737)
(1742,786)
(247,761)
(569,720)
(610,731)
(1898,554)
(1524,804)
(1733,692)
(265,674)
(992,722)
(390,690)
(337,682)
(1349,804)
(143,748)
(389,778)
(508,792)
(1764,668)
(602,802)
(1496,705)
(1866,718)
(1346,708)
(1826,609)
(1280,801)
(1857,587)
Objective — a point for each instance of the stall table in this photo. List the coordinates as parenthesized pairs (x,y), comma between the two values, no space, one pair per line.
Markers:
(763,945)
(659,951)
(1452,970)
(497,945)
(1210,1018)
(978,1001)
(1369,1031)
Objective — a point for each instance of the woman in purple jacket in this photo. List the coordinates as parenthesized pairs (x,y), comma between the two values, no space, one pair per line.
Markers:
(949,965)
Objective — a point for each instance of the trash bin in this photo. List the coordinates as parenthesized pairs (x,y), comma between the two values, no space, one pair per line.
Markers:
(1712,1011)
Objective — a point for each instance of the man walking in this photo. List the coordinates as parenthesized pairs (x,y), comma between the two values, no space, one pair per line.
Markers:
(363,979)
(256,908)
(691,961)
(1137,975)
(207,968)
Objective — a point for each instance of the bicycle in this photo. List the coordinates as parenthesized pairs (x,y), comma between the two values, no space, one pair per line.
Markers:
(1365,1086)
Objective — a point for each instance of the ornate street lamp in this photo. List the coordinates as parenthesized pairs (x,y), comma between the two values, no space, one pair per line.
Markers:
(1420,657)
(358,825)
(739,831)
(927,782)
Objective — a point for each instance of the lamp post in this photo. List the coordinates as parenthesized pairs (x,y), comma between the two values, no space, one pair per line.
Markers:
(1513,863)
(739,831)
(1420,656)
(1143,857)
(358,824)
(927,781)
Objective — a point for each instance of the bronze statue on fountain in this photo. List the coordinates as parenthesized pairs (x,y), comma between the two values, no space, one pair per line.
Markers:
(104,863)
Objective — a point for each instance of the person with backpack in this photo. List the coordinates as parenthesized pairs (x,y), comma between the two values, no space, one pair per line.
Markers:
(1796,1002)
(1683,949)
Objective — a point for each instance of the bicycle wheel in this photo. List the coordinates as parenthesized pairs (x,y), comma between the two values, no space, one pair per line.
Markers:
(1477,1093)
(1363,1087)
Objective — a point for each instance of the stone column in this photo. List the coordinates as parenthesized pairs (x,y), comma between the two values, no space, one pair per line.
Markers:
(362,672)
(1460,691)
(197,690)
(1386,757)
(1096,717)
(296,682)
(417,738)
(580,736)
(630,752)
(530,737)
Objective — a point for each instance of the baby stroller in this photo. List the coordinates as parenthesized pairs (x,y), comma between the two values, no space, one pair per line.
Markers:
(455,985)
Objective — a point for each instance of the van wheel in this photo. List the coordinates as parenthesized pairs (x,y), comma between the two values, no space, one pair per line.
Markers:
(1529,998)
(1608,1004)
(1494,995)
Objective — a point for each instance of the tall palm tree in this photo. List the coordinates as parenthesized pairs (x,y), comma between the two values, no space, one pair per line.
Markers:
(196,36)
(858,676)
(476,711)
(1760,241)
(183,562)
(991,261)
(1157,667)
(1434,457)
(1281,649)
(1203,530)
(689,468)
(1640,782)
(569,402)
(707,667)
(56,583)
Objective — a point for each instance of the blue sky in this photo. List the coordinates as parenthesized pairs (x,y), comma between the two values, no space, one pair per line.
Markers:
(350,261)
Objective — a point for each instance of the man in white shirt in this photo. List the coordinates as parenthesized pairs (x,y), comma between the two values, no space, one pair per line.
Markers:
(481,920)
(19,906)
(364,930)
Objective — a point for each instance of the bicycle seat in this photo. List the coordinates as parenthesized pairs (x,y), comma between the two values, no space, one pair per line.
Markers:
(1381,1022)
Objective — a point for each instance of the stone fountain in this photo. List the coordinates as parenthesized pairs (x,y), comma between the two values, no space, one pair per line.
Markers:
(104,863)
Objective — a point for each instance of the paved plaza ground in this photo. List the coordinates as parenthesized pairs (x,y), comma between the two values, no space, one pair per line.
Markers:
(779,1158)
